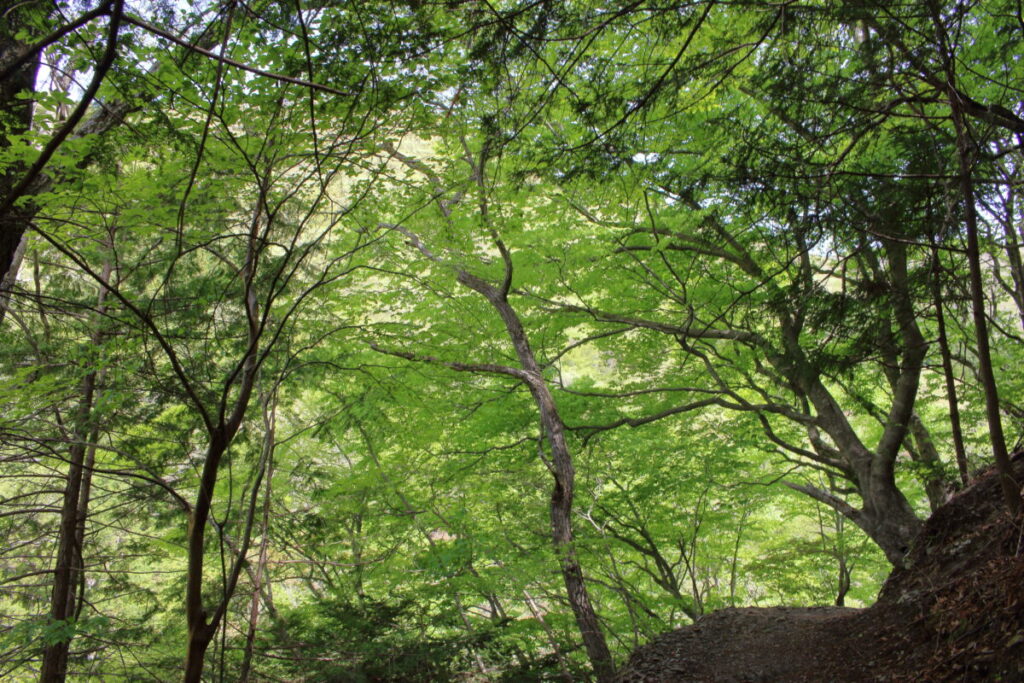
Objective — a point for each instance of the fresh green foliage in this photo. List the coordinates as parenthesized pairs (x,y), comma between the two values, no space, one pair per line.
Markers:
(251,286)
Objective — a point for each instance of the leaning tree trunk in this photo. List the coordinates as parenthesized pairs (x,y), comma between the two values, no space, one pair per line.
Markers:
(560,464)
(886,515)
(561,468)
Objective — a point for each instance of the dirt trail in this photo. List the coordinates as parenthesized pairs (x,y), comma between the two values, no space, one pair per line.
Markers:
(957,614)
(748,645)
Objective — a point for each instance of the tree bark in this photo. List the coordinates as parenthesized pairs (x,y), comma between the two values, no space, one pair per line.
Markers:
(925,453)
(947,370)
(269,422)
(1008,482)
(16,119)
(62,601)
(959,106)
(561,468)
(69,567)
(1012,249)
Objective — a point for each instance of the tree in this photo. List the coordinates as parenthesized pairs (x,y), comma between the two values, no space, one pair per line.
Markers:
(558,458)
(745,144)
(20,61)
(430,340)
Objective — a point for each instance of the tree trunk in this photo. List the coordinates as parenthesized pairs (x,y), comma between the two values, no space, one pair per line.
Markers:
(10,278)
(203,625)
(560,464)
(552,639)
(965,153)
(562,471)
(68,571)
(16,119)
(947,370)
(843,586)
(257,588)
(887,518)
(1009,484)
(1012,249)
(199,639)
(200,633)
(62,601)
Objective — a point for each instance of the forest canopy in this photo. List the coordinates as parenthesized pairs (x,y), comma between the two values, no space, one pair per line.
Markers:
(487,340)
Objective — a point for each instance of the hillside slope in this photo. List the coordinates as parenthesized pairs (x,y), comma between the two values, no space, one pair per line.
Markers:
(957,614)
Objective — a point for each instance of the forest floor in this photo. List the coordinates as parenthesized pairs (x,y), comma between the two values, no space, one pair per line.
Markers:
(957,614)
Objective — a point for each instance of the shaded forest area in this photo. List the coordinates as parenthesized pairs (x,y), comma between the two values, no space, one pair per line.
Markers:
(953,615)
(488,340)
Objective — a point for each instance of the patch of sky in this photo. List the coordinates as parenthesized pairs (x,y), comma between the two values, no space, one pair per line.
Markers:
(646,157)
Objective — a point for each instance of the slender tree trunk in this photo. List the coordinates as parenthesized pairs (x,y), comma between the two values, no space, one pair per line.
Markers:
(924,452)
(254,605)
(1009,484)
(844,582)
(68,571)
(83,509)
(200,633)
(947,370)
(561,468)
(552,638)
(203,625)
(1012,248)
(62,600)
(10,278)
(965,154)
(560,465)
(734,560)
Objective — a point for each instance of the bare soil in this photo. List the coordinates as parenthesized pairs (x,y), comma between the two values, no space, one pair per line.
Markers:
(956,614)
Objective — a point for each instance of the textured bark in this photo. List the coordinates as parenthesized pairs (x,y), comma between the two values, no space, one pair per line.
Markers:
(68,573)
(1010,485)
(62,600)
(15,119)
(561,468)
(947,371)
(887,516)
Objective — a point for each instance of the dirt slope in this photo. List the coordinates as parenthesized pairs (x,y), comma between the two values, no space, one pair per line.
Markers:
(957,614)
